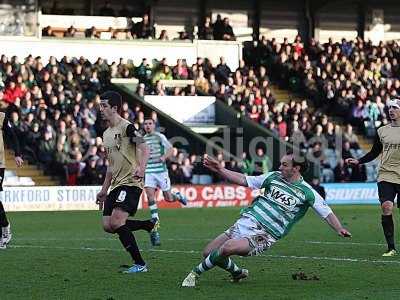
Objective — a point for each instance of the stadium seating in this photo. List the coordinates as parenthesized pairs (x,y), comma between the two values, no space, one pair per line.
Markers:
(249,89)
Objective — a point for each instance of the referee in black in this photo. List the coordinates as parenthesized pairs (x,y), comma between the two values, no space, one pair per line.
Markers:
(387,144)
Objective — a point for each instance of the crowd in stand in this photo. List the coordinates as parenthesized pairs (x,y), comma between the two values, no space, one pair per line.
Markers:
(65,94)
(351,79)
(54,109)
(248,89)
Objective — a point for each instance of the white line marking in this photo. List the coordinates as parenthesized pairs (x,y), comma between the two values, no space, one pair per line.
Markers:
(341,243)
(194,239)
(342,259)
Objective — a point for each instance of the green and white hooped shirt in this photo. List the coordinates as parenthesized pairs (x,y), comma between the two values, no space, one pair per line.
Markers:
(158,145)
(281,204)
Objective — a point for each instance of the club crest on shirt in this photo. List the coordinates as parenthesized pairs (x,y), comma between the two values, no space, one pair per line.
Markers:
(118,140)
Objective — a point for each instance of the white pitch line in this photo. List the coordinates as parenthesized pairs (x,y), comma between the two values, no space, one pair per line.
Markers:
(344,259)
(341,259)
(99,249)
(342,243)
(198,239)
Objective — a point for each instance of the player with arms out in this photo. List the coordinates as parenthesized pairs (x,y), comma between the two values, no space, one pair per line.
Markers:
(6,127)
(156,175)
(269,218)
(127,154)
(387,144)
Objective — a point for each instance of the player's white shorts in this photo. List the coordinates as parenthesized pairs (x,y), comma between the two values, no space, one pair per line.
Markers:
(248,228)
(158,180)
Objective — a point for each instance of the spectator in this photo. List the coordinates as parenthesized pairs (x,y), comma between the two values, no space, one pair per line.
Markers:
(247,165)
(70,33)
(187,170)
(341,172)
(227,31)
(176,174)
(358,173)
(163,74)
(89,173)
(46,150)
(346,151)
(262,163)
(201,83)
(351,137)
(180,71)
(163,36)
(143,29)
(143,72)
(185,35)
(222,71)
(206,30)
(74,168)
(48,31)
(12,92)
(92,33)
(218,28)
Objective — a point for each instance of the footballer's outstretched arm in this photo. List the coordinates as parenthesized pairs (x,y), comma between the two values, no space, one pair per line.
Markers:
(334,222)
(326,213)
(234,177)
(375,151)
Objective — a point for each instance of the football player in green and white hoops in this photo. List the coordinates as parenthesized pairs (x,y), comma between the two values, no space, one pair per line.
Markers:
(156,175)
(270,217)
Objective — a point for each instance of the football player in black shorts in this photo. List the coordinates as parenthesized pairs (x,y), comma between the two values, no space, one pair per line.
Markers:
(387,144)
(127,154)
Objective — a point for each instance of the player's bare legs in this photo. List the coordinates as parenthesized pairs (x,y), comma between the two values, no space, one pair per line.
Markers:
(118,218)
(235,247)
(215,244)
(107,224)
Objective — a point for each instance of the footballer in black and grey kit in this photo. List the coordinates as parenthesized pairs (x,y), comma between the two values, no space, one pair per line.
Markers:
(6,127)
(387,146)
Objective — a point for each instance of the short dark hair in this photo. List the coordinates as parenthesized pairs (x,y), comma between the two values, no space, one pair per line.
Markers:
(113,99)
(299,160)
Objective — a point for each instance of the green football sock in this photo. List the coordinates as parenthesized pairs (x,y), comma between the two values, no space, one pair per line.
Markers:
(154,211)
(215,259)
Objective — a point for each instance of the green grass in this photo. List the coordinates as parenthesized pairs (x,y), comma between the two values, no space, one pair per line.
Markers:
(65,255)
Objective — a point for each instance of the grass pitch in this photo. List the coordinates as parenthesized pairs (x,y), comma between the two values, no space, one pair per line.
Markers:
(65,255)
